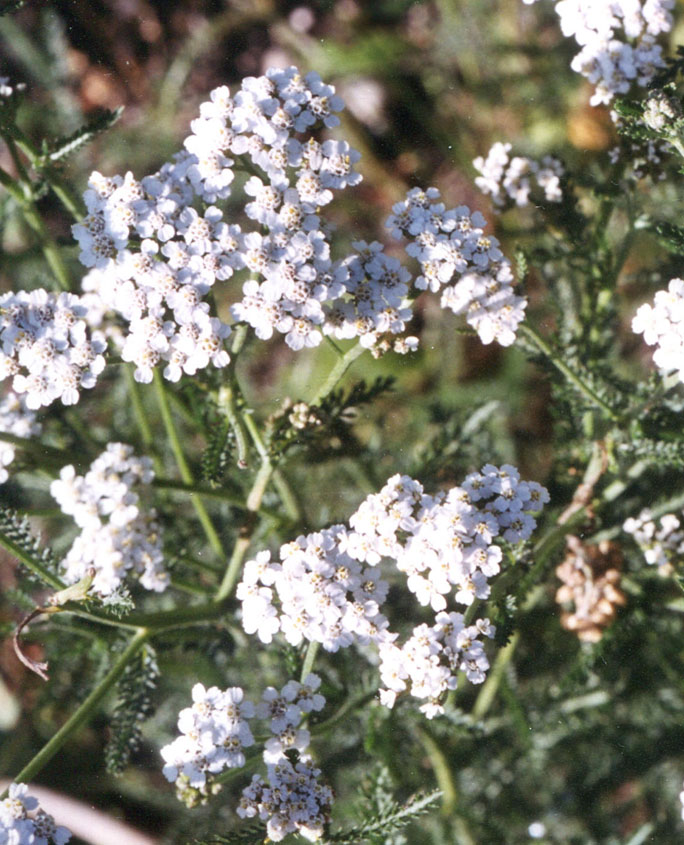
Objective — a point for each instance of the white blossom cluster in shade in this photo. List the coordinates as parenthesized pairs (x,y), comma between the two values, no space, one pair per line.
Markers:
(17,419)
(681,801)
(457,258)
(662,542)
(327,587)
(47,348)
(23,822)
(117,537)
(216,729)
(662,325)
(510,180)
(617,40)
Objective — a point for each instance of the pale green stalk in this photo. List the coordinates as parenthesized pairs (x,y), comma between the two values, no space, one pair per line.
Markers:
(532,335)
(183,467)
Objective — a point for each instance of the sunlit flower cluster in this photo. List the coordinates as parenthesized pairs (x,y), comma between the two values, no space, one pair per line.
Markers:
(428,663)
(518,180)
(662,325)
(617,40)
(292,799)
(117,537)
(16,419)
(458,259)
(47,349)
(661,540)
(214,733)
(23,822)
(328,587)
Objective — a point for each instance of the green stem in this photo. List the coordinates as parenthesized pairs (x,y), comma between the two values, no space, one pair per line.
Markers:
(84,712)
(183,467)
(154,623)
(490,687)
(73,205)
(340,368)
(36,448)
(309,660)
(242,543)
(441,769)
(138,410)
(210,493)
(572,377)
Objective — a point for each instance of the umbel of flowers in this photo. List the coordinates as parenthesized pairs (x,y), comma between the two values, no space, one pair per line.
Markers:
(155,258)
(328,587)
(215,730)
(117,536)
(23,822)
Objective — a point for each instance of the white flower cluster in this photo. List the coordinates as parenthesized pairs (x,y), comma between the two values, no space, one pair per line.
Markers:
(457,258)
(214,733)
(215,730)
(617,40)
(428,663)
(17,419)
(292,799)
(327,587)
(116,536)
(47,348)
(512,179)
(156,258)
(17,827)
(662,325)
(661,542)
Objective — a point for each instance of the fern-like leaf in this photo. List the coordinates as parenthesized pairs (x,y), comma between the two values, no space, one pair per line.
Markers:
(16,536)
(132,708)
(63,147)
(393,818)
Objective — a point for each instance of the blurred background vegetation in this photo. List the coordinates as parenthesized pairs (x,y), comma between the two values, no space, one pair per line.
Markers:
(585,739)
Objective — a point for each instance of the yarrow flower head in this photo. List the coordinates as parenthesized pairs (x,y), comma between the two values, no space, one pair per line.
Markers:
(117,537)
(328,586)
(214,733)
(661,541)
(17,419)
(47,349)
(216,729)
(23,822)
(518,180)
(617,40)
(662,325)
(458,259)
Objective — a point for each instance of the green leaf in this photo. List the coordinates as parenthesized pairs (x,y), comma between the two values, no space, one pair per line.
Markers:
(63,147)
